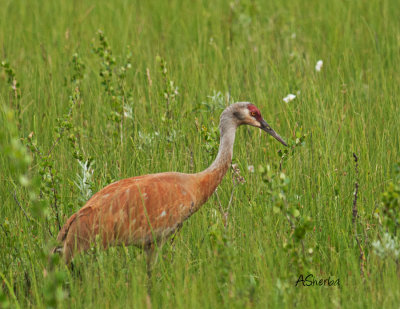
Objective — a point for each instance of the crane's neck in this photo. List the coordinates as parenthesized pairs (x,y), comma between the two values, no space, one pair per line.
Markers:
(210,178)
(225,151)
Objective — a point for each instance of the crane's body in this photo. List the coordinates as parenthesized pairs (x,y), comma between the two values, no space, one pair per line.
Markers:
(136,211)
(144,210)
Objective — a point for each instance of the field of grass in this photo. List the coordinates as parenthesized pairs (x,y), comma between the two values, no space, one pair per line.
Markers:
(159,110)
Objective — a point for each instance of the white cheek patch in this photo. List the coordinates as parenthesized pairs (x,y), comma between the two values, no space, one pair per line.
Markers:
(248,119)
(248,113)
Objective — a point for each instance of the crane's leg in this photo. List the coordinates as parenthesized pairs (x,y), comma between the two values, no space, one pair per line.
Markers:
(150,254)
(152,251)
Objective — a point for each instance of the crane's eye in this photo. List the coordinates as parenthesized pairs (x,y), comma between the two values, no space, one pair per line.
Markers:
(253,114)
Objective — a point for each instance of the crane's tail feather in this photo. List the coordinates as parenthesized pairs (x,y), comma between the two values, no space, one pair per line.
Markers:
(62,235)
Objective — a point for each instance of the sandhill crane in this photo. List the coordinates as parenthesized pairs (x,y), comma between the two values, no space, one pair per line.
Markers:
(145,210)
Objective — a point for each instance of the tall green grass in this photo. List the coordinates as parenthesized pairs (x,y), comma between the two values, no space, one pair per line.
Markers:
(256,51)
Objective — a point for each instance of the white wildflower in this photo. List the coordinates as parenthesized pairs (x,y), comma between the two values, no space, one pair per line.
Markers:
(289,97)
(251,168)
(319,65)
(128,111)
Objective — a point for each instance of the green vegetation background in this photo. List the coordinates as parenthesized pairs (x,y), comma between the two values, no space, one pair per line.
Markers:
(256,51)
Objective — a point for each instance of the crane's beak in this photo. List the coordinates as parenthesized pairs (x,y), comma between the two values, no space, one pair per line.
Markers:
(265,126)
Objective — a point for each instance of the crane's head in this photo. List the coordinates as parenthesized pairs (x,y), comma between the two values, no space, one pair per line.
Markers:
(247,113)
